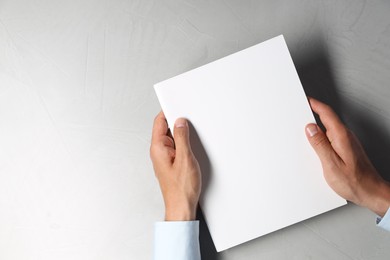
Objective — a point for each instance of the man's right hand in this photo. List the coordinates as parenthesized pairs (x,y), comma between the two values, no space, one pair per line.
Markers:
(347,169)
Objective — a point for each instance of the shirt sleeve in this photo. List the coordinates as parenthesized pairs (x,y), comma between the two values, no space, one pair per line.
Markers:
(176,240)
(385,221)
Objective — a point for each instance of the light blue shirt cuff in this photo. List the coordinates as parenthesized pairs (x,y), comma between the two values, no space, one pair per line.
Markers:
(385,221)
(176,240)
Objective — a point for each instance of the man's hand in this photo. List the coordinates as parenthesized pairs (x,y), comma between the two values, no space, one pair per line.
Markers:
(176,169)
(347,169)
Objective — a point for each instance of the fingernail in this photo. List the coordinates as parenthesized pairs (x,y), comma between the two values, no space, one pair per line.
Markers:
(312,130)
(180,123)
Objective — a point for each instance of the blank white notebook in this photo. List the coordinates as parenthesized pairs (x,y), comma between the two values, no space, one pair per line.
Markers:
(248,113)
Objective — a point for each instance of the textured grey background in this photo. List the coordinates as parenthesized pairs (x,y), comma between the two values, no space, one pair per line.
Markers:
(77,105)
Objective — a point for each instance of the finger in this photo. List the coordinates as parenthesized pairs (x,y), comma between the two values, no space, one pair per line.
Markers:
(328,117)
(168,141)
(320,143)
(182,137)
(162,152)
(160,127)
(336,131)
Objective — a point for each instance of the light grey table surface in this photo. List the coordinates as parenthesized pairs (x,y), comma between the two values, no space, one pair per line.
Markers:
(77,106)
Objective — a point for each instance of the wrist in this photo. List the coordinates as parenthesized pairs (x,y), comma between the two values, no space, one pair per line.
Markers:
(378,200)
(180,213)
(382,202)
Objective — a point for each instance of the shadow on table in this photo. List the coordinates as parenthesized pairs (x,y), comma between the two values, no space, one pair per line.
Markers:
(207,247)
(318,80)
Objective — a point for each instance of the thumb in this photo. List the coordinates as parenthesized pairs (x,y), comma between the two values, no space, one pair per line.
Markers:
(320,142)
(182,137)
